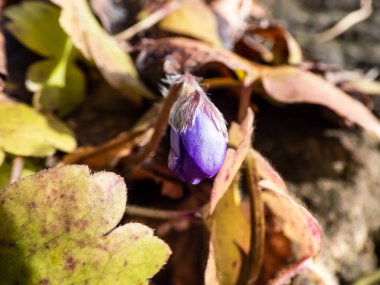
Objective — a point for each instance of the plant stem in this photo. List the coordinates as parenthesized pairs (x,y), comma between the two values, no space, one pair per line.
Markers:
(160,127)
(220,82)
(369,279)
(245,97)
(252,262)
(162,214)
(17,167)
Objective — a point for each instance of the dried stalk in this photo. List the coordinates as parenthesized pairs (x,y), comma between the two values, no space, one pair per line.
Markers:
(347,22)
(252,262)
(148,22)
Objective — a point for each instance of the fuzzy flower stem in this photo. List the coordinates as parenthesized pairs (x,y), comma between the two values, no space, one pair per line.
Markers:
(160,127)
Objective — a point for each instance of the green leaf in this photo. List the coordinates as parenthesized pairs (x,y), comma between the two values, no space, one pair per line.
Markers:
(2,157)
(195,19)
(95,44)
(35,25)
(26,132)
(58,85)
(58,228)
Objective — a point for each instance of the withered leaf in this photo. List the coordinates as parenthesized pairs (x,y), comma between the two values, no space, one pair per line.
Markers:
(291,85)
(108,154)
(195,19)
(284,84)
(293,235)
(229,237)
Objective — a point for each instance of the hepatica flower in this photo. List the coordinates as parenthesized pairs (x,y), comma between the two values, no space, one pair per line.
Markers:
(198,136)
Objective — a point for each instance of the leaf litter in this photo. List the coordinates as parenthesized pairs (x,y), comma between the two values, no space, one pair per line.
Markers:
(65,225)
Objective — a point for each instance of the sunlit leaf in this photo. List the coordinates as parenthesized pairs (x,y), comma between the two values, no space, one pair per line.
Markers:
(95,44)
(229,236)
(26,132)
(57,83)
(363,85)
(195,19)
(61,225)
(35,25)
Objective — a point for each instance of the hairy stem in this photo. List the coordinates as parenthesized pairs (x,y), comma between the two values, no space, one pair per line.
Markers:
(160,127)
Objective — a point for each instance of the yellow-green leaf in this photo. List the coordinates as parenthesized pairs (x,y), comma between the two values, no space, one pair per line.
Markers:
(35,25)
(92,40)
(58,85)
(26,132)
(229,237)
(2,157)
(195,19)
(58,227)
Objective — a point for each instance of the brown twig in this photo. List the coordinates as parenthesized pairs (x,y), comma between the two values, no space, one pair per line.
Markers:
(149,21)
(17,167)
(347,22)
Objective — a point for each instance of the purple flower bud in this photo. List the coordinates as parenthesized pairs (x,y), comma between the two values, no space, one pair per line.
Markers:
(198,135)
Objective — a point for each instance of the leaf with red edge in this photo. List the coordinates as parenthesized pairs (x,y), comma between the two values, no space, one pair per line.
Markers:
(284,84)
(291,85)
(267,172)
(240,136)
(292,234)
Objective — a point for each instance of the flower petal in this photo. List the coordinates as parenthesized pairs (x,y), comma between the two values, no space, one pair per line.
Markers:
(175,150)
(204,144)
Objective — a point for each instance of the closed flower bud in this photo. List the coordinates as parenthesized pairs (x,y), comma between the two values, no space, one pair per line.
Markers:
(198,136)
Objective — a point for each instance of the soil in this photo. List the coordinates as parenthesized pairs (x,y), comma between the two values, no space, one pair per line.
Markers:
(335,171)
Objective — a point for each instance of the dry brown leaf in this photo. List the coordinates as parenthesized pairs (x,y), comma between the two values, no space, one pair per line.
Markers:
(108,154)
(180,54)
(232,16)
(363,85)
(293,235)
(291,85)
(284,47)
(195,19)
